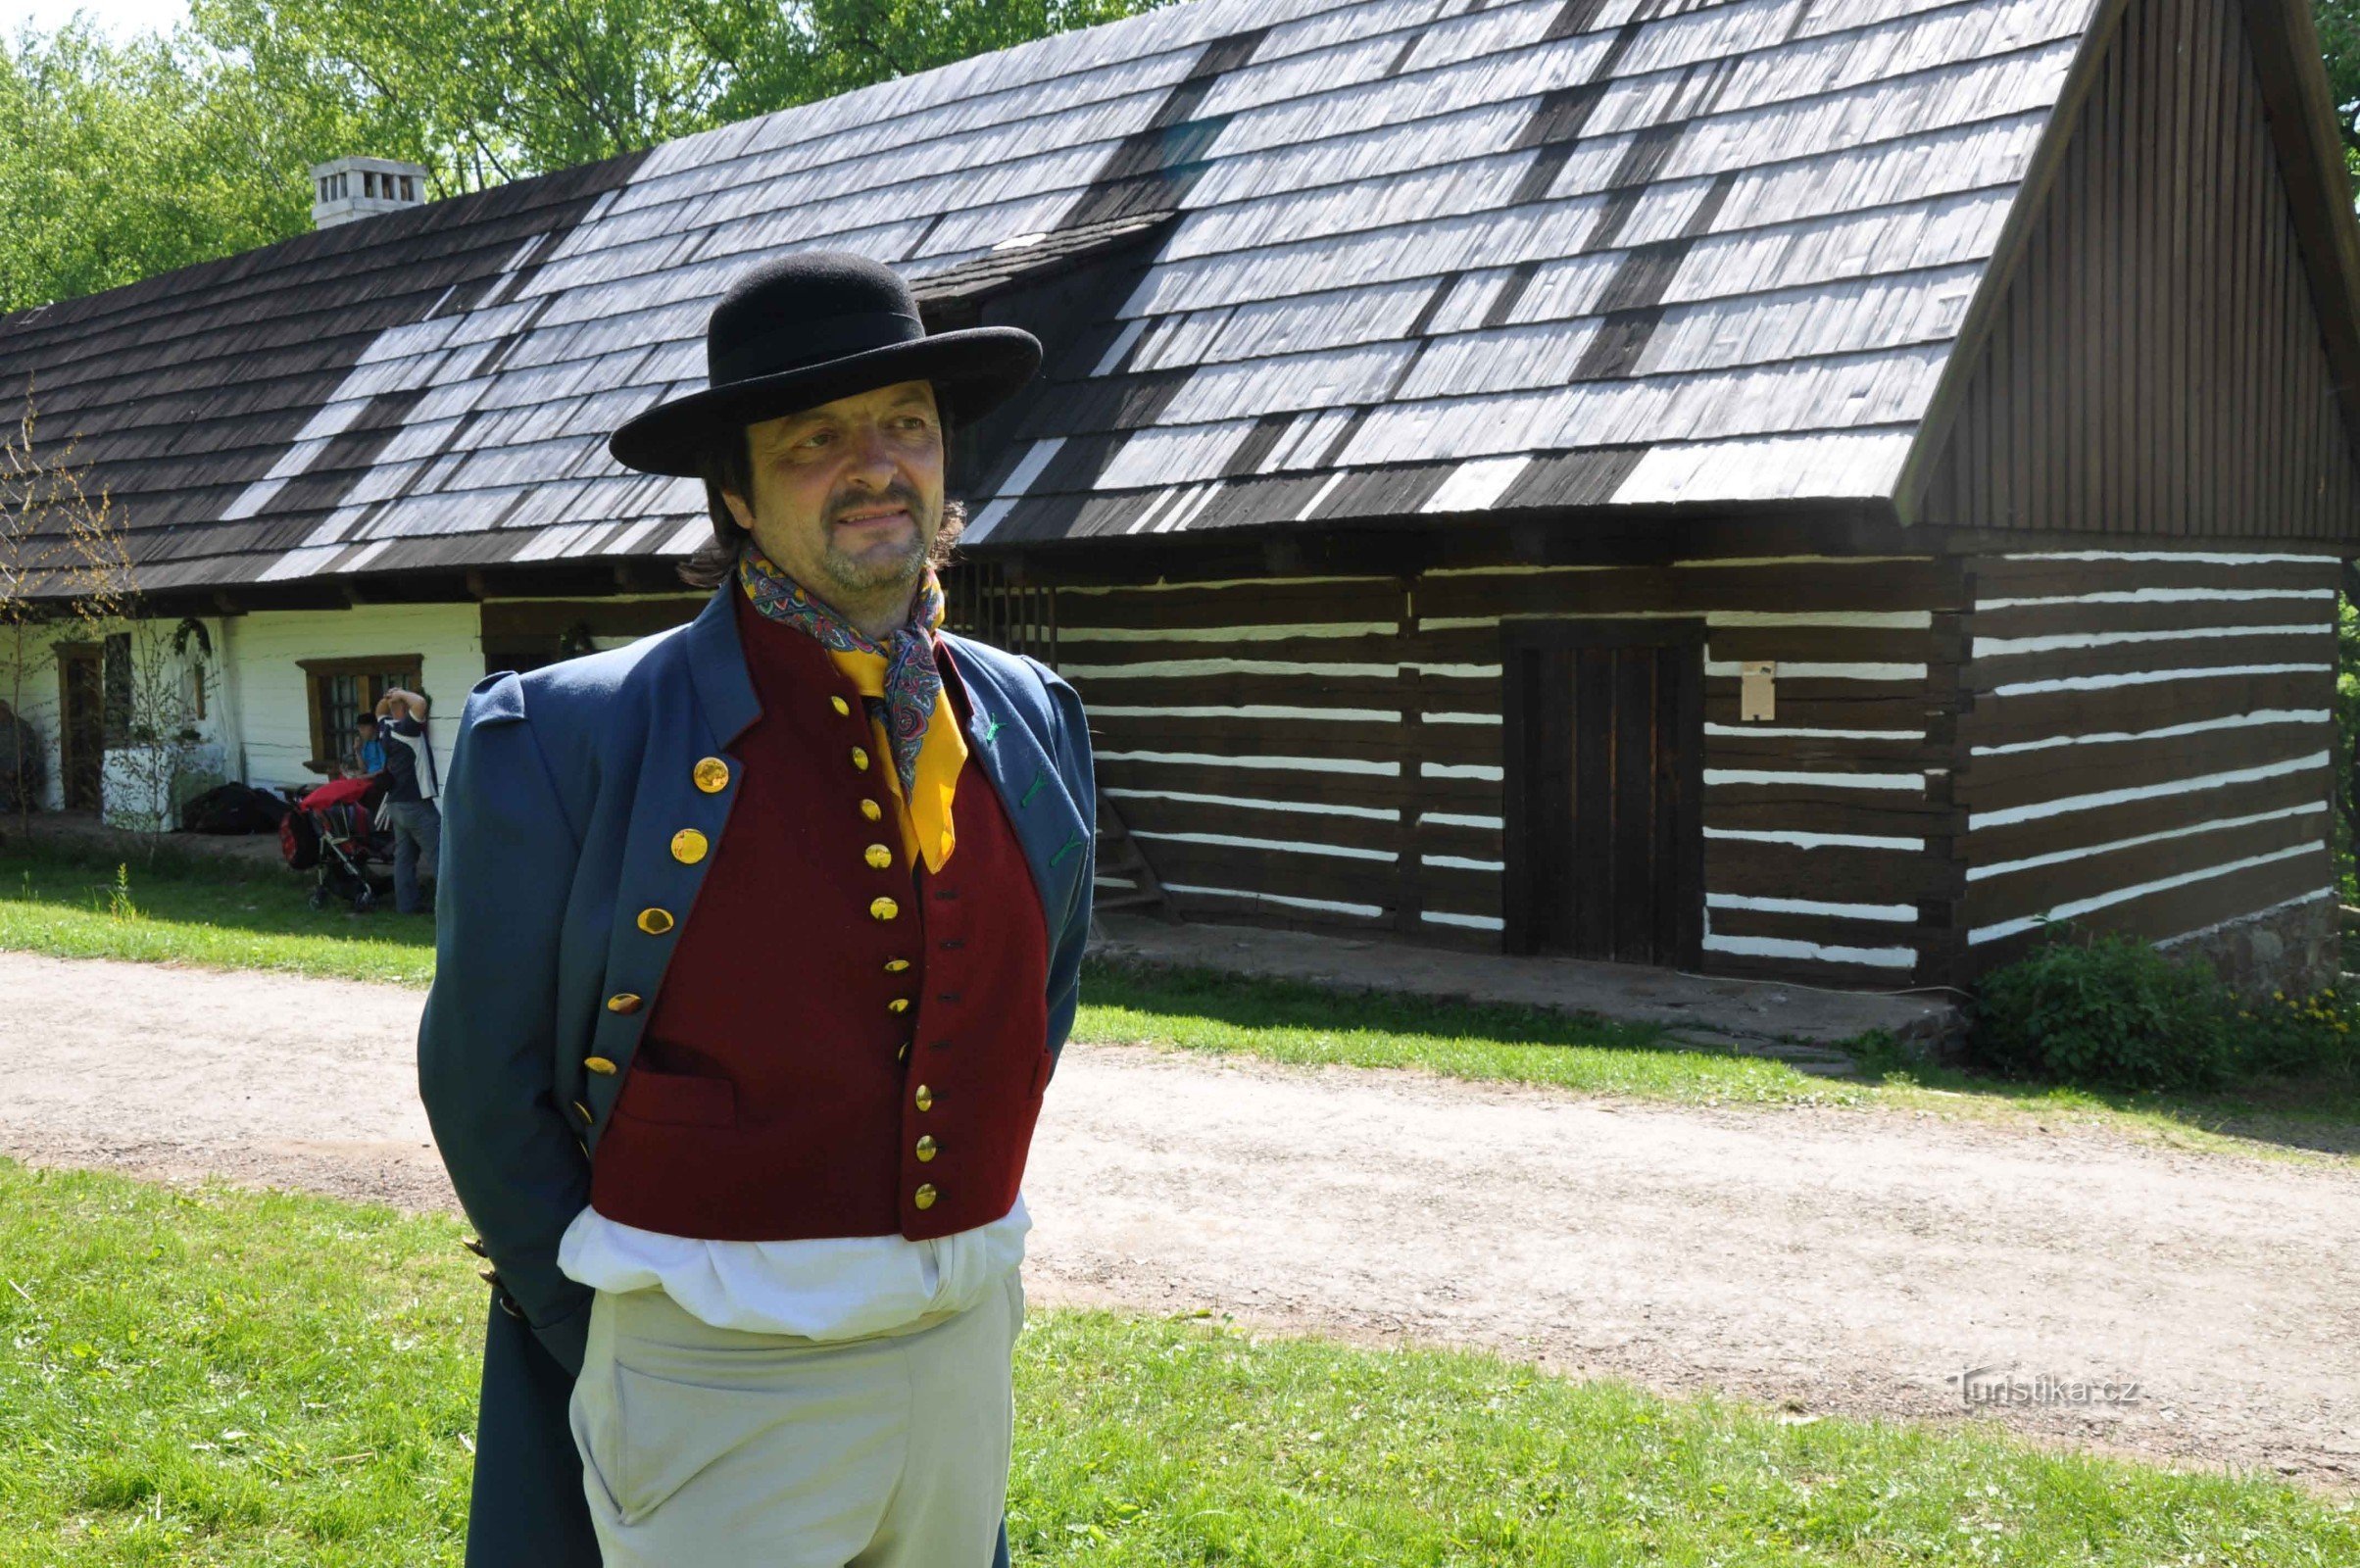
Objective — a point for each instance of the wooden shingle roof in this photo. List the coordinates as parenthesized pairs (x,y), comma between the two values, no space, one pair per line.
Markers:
(1405,256)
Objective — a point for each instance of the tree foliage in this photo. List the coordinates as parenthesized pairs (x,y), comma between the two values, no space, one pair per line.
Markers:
(2339,24)
(121,160)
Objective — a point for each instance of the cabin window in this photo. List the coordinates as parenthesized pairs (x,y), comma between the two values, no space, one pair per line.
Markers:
(409,187)
(341,690)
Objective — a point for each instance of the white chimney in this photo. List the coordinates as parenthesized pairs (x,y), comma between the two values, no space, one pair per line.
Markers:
(347,188)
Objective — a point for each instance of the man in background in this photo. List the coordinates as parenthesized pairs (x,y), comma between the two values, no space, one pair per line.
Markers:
(416,820)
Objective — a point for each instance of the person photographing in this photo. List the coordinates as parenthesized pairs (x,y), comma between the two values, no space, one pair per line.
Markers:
(411,812)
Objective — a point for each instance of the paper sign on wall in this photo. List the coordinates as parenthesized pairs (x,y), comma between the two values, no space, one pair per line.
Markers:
(1754,681)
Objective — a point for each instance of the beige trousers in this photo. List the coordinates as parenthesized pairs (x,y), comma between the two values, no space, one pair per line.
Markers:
(703,1445)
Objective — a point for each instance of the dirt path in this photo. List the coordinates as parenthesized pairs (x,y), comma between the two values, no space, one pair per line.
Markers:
(1838,1261)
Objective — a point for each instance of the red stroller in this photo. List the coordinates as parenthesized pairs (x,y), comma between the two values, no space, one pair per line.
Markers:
(332,833)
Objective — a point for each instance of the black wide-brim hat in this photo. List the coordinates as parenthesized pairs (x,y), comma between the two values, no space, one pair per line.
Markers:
(805,329)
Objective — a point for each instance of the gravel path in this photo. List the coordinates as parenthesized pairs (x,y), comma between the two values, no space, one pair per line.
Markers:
(1829,1260)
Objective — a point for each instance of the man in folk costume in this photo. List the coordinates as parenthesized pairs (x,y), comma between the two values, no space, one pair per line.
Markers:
(759,941)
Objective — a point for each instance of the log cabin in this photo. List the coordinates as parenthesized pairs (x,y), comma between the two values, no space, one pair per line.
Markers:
(1798,488)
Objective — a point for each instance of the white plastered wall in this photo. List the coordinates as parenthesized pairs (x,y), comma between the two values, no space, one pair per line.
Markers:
(272,705)
(41,701)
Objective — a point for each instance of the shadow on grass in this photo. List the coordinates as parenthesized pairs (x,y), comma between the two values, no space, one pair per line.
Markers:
(2316,1116)
(2320,1114)
(1260,1003)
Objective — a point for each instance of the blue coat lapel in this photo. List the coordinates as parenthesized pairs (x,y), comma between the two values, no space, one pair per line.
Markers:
(1000,739)
(717,666)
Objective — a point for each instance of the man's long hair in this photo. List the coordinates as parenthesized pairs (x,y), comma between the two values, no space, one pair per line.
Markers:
(728,465)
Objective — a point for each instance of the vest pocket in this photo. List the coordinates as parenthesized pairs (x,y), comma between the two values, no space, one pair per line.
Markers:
(678,1098)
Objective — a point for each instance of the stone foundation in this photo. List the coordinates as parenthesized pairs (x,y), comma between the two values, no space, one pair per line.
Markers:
(2295,947)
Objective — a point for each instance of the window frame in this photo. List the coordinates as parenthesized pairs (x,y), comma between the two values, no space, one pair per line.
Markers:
(394,670)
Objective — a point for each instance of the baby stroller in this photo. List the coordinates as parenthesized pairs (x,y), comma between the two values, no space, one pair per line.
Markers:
(332,833)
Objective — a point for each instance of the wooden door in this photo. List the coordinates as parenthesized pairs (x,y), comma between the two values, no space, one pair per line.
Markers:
(1604,748)
(81,726)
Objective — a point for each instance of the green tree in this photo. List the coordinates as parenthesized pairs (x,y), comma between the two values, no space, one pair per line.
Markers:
(2339,24)
(122,161)
(119,161)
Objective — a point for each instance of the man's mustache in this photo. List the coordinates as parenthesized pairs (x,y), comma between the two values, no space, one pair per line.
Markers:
(896,495)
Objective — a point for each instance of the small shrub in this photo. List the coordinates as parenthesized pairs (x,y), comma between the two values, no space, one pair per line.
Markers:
(2297,1036)
(2110,1012)
(2107,1010)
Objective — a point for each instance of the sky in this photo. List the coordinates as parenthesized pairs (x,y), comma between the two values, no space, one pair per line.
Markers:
(120,18)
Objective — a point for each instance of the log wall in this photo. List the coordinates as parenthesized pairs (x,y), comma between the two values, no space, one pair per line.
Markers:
(1326,752)
(2148,747)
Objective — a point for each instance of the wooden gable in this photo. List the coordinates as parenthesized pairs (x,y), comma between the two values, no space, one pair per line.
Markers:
(2163,357)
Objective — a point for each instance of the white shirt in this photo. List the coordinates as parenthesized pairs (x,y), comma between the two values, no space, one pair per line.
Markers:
(826,1288)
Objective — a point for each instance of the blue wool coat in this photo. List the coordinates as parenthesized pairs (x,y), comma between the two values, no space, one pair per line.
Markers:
(565,788)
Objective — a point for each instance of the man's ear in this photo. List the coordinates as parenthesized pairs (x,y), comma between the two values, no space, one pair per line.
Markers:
(738,509)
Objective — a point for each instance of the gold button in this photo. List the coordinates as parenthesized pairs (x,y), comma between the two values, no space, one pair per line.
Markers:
(895,966)
(924,1097)
(878,856)
(860,758)
(925,1195)
(898,1005)
(711,775)
(903,1053)
(598,1064)
(839,705)
(927,1148)
(622,1002)
(871,811)
(584,1109)
(688,845)
(883,908)
(655,922)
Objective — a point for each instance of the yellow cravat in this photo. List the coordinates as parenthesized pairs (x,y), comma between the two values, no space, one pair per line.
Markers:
(926,821)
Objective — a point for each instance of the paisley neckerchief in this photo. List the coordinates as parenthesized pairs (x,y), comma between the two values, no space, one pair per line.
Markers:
(901,670)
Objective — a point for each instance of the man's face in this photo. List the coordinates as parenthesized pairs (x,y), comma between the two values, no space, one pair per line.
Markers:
(848,496)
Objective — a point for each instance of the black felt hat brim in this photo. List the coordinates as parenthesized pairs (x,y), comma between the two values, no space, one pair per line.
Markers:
(973,369)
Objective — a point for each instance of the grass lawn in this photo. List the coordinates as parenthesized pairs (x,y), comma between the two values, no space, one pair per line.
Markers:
(203,1376)
(224,915)
(231,916)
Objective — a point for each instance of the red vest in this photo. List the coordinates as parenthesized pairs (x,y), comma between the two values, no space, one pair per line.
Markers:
(776,1094)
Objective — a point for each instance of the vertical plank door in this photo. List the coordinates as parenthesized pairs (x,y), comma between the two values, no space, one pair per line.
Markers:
(1602,789)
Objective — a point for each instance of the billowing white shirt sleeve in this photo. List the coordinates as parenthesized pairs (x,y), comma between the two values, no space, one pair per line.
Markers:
(831,1288)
